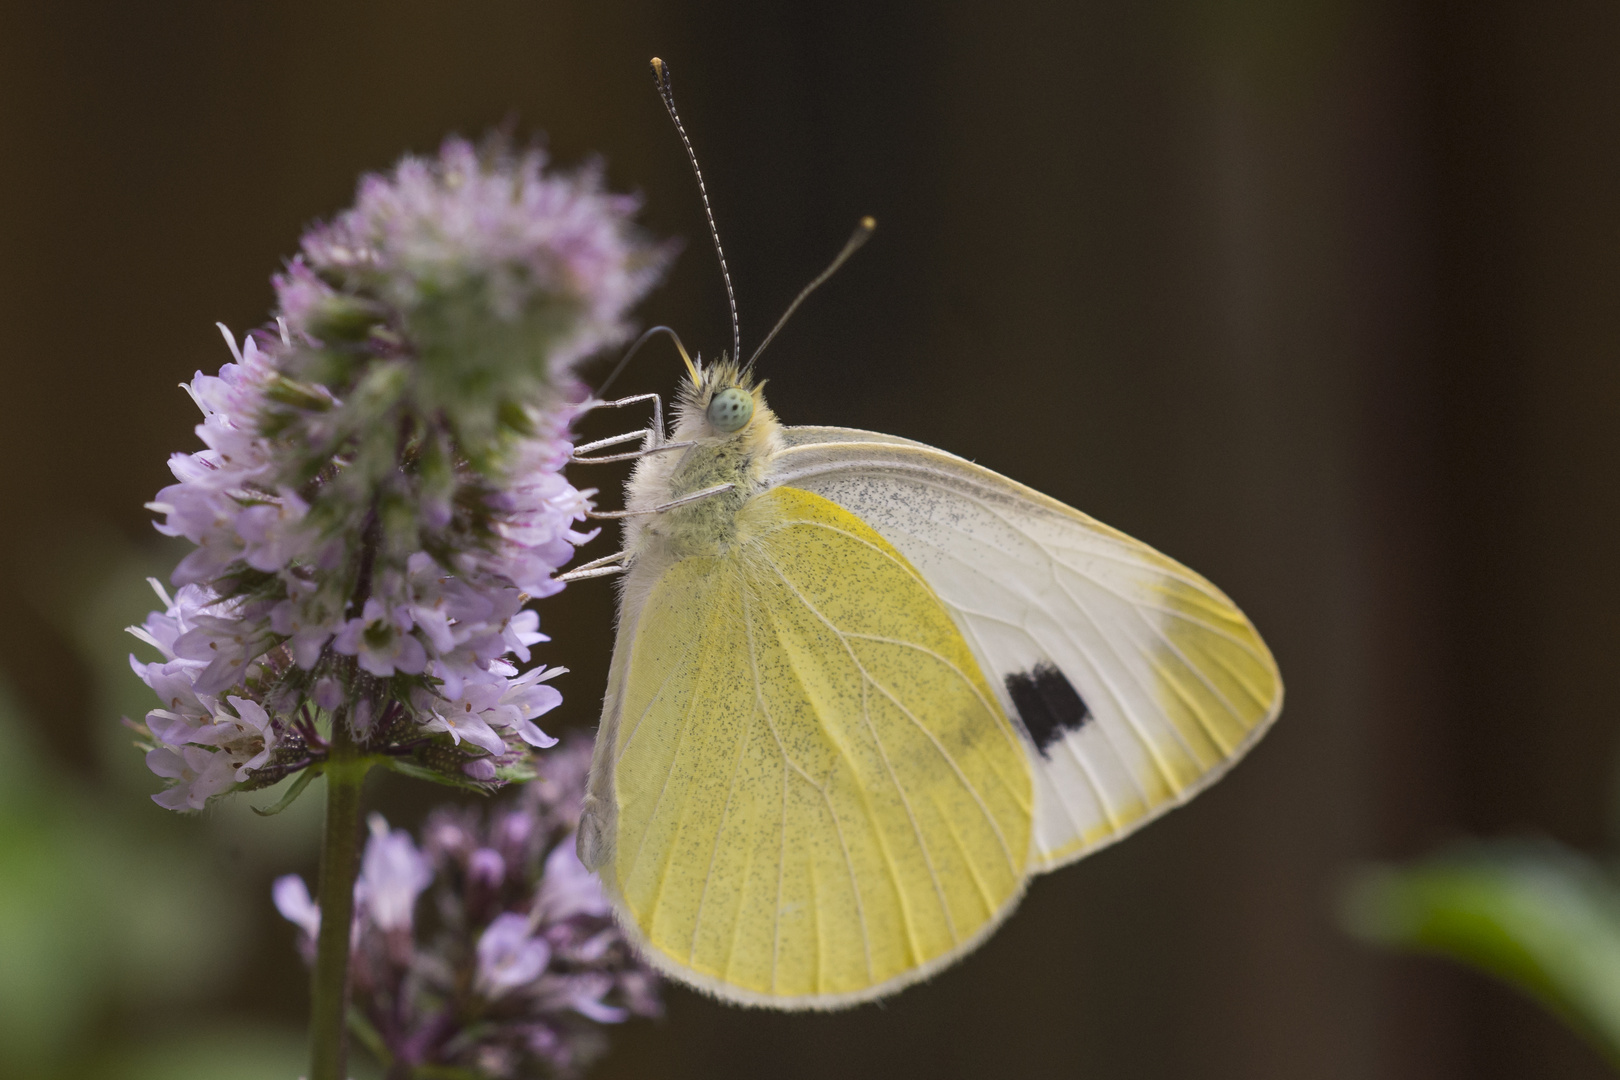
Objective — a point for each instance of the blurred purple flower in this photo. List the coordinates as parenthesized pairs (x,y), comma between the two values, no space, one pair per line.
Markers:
(568,889)
(487,867)
(292,899)
(519,964)
(392,875)
(509,955)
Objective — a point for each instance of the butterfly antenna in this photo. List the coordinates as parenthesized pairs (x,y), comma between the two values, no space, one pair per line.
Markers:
(862,233)
(691,370)
(661,74)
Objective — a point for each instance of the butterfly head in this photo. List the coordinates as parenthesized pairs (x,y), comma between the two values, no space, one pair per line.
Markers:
(722,402)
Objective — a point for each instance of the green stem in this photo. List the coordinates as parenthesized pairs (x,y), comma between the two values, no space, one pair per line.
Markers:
(340,865)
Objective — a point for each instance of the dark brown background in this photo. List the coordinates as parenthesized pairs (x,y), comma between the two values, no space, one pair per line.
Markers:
(1319,297)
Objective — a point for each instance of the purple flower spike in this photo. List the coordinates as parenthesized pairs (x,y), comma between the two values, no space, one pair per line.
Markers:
(380,490)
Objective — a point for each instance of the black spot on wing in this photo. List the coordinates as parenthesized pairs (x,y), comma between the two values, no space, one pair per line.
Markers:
(1047,703)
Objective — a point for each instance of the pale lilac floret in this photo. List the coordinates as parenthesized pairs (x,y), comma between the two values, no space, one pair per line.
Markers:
(292,899)
(568,889)
(244,739)
(586,999)
(382,641)
(488,701)
(225,643)
(306,632)
(393,874)
(198,774)
(272,532)
(509,956)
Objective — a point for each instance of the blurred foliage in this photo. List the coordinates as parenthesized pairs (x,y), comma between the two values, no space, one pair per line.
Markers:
(122,925)
(1537,915)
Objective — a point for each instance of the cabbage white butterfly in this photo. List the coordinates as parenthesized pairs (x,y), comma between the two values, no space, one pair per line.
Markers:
(864,689)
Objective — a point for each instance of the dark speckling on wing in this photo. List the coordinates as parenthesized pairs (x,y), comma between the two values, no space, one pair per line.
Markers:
(1047,703)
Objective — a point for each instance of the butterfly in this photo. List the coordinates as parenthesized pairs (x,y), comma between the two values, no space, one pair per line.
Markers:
(863,690)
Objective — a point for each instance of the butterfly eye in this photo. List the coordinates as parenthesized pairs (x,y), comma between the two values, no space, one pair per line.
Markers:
(731,408)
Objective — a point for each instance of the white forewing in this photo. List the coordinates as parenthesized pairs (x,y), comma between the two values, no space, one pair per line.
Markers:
(1173,682)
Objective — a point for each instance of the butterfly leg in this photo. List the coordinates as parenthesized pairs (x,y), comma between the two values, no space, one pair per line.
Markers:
(608,564)
(619,403)
(604,459)
(672,504)
(655,433)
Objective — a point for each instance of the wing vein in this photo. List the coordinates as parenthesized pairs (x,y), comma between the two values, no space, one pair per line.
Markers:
(832,813)
(967,860)
(1169,643)
(933,739)
(652,818)
(911,571)
(673,670)
(867,679)
(1007,733)
(1125,707)
(725,813)
(781,874)
(866,717)
(1115,822)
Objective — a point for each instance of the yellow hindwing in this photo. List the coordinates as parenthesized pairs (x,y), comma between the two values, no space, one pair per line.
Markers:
(818,797)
